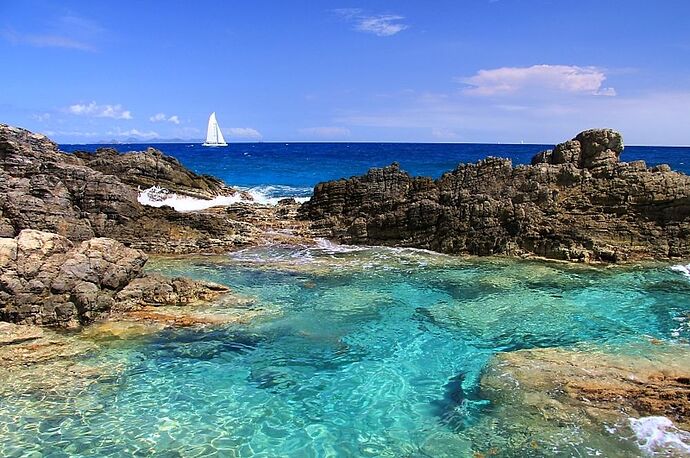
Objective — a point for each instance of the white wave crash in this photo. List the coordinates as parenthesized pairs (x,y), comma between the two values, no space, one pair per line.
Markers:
(659,434)
(685,270)
(156,196)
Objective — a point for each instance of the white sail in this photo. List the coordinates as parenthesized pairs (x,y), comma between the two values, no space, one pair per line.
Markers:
(214,137)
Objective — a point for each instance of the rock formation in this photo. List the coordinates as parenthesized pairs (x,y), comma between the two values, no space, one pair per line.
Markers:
(153,168)
(82,196)
(576,202)
(563,384)
(48,280)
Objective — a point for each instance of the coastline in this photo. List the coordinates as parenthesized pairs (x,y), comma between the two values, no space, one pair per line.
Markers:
(146,279)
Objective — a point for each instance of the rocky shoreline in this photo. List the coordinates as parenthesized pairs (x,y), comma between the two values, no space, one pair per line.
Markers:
(74,242)
(577,202)
(74,238)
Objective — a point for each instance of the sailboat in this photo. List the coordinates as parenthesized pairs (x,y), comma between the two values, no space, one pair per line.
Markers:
(214,137)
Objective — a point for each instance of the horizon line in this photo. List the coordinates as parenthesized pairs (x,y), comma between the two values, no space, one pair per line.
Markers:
(163,141)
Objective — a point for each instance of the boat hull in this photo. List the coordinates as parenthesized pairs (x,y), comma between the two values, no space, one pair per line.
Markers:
(214,145)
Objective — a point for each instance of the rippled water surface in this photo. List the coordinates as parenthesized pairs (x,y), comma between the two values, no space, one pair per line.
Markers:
(363,352)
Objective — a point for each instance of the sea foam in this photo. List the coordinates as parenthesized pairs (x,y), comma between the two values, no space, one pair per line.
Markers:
(685,270)
(659,434)
(157,197)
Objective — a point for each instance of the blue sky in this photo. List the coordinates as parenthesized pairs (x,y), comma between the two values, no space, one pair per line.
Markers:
(490,71)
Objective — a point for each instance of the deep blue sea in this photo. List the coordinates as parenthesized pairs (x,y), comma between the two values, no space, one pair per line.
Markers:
(292,169)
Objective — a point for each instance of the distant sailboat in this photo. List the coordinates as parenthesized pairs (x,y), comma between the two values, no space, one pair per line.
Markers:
(214,137)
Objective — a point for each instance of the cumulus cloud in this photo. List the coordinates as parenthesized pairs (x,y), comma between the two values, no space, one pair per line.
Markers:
(99,111)
(513,80)
(243,133)
(382,25)
(135,133)
(160,117)
(325,133)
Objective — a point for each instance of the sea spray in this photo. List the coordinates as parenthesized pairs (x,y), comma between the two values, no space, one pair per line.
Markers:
(156,196)
(684,269)
(659,434)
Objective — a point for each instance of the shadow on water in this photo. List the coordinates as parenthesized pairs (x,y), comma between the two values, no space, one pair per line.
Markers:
(461,405)
(203,344)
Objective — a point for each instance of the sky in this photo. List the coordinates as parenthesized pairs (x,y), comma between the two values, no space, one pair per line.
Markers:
(487,71)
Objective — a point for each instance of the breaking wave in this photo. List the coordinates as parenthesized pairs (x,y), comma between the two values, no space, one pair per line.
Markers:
(659,434)
(685,270)
(156,196)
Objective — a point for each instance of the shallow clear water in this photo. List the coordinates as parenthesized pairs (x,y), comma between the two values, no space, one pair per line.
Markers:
(363,352)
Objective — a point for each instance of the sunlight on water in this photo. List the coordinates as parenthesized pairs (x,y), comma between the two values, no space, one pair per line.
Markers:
(368,352)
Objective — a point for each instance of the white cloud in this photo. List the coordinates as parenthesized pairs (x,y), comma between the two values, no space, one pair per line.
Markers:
(654,118)
(134,133)
(160,117)
(67,32)
(71,133)
(157,117)
(444,135)
(46,41)
(100,111)
(243,133)
(325,133)
(562,78)
(41,117)
(382,25)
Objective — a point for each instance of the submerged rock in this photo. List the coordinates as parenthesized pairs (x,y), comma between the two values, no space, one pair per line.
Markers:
(602,387)
(153,290)
(576,202)
(11,334)
(558,402)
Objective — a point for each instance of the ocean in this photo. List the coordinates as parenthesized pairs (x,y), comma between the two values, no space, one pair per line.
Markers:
(342,351)
(275,170)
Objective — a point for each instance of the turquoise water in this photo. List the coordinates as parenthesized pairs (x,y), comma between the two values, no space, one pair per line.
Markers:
(366,352)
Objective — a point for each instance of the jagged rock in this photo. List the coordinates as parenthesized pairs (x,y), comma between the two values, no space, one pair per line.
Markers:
(48,280)
(153,168)
(85,196)
(576,202)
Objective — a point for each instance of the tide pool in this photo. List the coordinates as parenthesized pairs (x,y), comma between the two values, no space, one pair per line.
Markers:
(351,352)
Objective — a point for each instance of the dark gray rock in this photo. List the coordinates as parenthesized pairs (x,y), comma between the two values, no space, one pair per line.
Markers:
(576,202)
(149,168)
(85,196)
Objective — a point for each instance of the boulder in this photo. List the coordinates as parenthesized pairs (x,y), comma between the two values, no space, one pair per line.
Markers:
(51,281)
